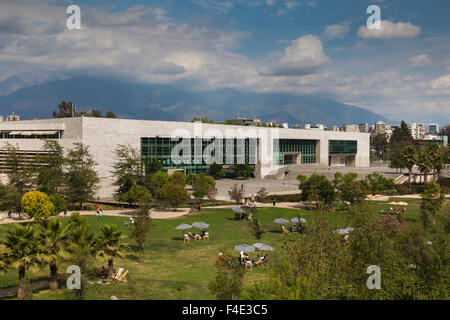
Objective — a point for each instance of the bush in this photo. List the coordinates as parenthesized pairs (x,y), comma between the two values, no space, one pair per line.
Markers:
(58,203)
(37,205)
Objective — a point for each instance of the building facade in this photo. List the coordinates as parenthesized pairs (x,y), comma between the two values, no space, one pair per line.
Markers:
(190,147)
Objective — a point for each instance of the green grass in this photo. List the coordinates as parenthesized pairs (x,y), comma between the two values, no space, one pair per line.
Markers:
(171,269)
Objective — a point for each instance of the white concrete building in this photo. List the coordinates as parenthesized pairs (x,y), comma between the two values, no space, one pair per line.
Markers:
(267,149)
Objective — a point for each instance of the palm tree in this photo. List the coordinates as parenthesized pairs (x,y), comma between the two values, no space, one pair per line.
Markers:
(440,153)
(424,163)
(110,244)
(21,246)
(52,243)
(410,158)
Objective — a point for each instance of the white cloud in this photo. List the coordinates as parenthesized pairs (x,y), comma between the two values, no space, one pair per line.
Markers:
(337,30)
(303,56)
(441,82)
(420,60)
(390,30)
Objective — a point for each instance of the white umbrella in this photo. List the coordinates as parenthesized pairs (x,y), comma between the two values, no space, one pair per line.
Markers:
(183,226)
(200,225)
(344,231)
(297,220)
(263,247)
(244,247)
(281,221)
(237,210)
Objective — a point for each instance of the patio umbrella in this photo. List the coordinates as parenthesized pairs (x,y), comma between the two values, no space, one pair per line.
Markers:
(281,221)
(200,225)
(297,220)
(263,247)
(183,226)
(344,231)
(237,209)
(244,247)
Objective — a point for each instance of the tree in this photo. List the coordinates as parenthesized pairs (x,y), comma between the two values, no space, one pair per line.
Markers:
(66,110)
(376,183)
(242,170)
(174,194)
(82,246)
(110,114)
(261,195)
(158,180)
(424,163)
(432,201)
(316,189)
(127,169)
(81,178)
(201,186)
(20,172)
(401,137)
(212,193)
(228,281)
(8,197)
(178,178)
(152,166)
(58,203)
(352,190)
(380,144)
(37,205)
(216,170)
(142,223)
(137,194)
(52,242)
(50,175)
(255,228)
(21,248)
(111,245)
(409,157)
(438,155)
(236,193)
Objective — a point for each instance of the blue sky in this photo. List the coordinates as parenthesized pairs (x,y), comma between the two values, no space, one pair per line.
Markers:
(297,46)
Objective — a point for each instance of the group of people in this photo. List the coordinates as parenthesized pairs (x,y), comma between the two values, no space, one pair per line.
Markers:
(243,259)
(197,207)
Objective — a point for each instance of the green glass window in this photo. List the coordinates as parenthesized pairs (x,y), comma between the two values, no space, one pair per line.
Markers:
(337,147)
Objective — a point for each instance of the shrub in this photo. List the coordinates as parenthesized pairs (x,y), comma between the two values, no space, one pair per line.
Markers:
(58,203)
(37,205)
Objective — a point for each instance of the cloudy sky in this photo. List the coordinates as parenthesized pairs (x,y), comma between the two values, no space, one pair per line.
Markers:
(320,47)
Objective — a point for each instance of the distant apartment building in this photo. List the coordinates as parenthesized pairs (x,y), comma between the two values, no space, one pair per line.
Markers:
(363,127)
(433,128)
(418,131)
(350,128)
(13,117)
(380,127)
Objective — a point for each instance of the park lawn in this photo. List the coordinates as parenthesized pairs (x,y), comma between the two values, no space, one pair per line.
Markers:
(171,269)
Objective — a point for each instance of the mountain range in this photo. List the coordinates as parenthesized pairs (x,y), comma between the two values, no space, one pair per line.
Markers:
(167,102)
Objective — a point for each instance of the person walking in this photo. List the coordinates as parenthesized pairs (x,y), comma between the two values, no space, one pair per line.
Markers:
(274,203)
(100,215)
(9,214)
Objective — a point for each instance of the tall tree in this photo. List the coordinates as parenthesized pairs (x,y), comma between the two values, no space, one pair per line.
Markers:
(81,178)
(142,223)
(20,171)
(424,163)
(50,176)
(410,158)
(22,250)
(111,245)
(127,169)
(66,110)
(52,240)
